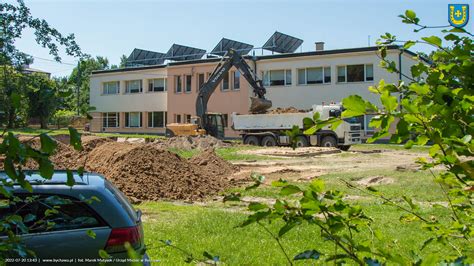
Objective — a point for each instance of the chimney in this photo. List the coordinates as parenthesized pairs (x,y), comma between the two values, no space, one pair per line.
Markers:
(319,46)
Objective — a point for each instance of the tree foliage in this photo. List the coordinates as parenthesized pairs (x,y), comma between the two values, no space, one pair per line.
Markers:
(435,108)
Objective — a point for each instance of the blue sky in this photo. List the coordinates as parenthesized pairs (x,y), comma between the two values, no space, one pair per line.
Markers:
(112,28)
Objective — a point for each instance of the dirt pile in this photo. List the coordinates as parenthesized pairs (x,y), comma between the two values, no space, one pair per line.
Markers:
(144,172)
(211,164)
(287,110)
(191,142)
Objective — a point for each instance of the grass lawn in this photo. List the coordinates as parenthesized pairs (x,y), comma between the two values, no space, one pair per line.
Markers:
(62,131)
(227,153)
(212,227)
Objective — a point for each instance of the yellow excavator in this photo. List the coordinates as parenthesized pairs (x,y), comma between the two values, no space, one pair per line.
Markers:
(213,123)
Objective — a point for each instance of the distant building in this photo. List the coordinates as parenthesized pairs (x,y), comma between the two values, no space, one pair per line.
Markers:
(28,70)
(143,99)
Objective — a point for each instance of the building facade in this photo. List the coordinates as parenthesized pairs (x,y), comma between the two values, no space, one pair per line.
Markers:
(145,99)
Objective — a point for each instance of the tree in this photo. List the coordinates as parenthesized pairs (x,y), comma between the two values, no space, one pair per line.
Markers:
(15,19)
(436,107)
(81,76)
(43,98)
(123,61)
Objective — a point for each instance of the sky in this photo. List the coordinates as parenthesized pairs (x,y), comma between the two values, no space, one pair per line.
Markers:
(113,28)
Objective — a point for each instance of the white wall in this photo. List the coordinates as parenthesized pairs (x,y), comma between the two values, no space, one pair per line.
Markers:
(304,96)
(145,101)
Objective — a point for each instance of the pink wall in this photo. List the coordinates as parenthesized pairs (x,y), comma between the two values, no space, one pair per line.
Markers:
(224,102)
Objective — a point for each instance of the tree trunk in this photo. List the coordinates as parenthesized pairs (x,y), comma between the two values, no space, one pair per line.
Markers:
(43,123)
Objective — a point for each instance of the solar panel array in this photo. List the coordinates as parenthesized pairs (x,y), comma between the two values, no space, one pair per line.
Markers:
(278,42)
(180,52)
(282,43)
(140,57)
(225,44)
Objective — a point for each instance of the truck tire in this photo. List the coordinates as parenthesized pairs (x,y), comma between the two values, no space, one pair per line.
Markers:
(269,141)
(301,141)
(344,148)
(328,141)
(251,140)
(169,133)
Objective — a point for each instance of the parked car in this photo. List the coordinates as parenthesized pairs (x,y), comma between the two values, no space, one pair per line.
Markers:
(93,204)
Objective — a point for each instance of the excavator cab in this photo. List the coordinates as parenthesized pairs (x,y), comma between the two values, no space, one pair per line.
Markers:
(214,125)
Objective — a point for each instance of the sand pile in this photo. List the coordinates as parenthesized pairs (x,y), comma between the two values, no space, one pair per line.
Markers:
(144,172)
(192,142)
(287,110)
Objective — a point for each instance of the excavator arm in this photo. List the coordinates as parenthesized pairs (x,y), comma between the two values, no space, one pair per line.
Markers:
(258,105)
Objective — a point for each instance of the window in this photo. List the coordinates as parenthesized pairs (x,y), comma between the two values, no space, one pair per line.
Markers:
(133,119)
(314,75)
(189,79)
(226,120)
(188,118)
(134,86)
(63,213)
(277,77)
(157,84)
(369,72)
(225,82)
(201,79)
(156,119)
(236,80)
(112,87)
(110,120)
(355,73)
(177,118)
(178,84)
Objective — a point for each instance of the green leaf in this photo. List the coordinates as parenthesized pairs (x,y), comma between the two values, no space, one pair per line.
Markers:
(47,143)
(279,183)
(308,255)
(389,102)
(420,89)
(408,44)
(308,122)
(15,99)
(75,139)
(289,189)
(29,218)
(46,168)
(91,234)
(231,197)
(410,14)
(287,227)
(317,185)
(103,254)
(70,178)
(256,206)
(354,106)
(433,40)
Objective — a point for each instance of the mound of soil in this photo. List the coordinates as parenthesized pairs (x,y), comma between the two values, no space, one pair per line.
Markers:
(211,164)
(144,172)
(192,142)
(287,110)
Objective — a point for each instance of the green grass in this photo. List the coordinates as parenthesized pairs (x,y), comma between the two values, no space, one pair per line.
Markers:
(368,147)
(53,132)
(228,153)
(129,135)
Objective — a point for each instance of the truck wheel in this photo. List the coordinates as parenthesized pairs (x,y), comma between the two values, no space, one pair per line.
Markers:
(269,141)
(328,141)
(301,141)
(344,148)
(251,140)
(169,133)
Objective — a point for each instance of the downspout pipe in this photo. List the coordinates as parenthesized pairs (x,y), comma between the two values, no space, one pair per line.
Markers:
(400,77)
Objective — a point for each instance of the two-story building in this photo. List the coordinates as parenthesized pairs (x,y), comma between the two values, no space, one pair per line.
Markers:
(144,99)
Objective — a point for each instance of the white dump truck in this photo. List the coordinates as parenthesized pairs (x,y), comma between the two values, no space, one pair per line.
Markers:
(268,129)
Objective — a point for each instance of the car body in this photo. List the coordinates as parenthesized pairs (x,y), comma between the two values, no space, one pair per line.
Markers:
(90,216)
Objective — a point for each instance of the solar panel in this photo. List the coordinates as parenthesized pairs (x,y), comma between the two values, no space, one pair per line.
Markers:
(180,52)
(140,57)
(282,43)
(225,44)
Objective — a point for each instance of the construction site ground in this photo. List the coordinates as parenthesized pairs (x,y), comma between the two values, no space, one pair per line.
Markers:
(180,190)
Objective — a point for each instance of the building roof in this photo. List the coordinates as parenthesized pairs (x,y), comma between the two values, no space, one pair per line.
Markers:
(262,57)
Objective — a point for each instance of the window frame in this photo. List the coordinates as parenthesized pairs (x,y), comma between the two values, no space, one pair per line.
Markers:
(176,83)
(323,75)
(152,83)
(233,87)
(186,79)
(150,114)
(127,82)
(176,120)
(267,77)
(228,82)
(198,81)
(106,117)
(106,91)
(127,120)
(365,73)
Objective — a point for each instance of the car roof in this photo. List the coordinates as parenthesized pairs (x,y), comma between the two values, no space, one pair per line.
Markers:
(60,178)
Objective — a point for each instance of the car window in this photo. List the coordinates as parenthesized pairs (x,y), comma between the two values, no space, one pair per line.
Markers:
(57,213)
(122,200)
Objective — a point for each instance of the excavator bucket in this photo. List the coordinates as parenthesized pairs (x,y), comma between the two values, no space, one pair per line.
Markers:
(259,105)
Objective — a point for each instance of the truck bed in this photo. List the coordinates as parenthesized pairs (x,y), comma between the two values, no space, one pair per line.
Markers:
(269,121)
